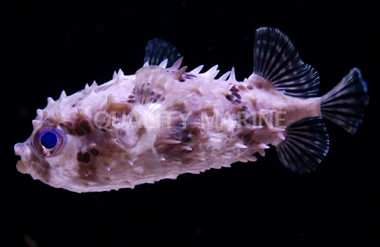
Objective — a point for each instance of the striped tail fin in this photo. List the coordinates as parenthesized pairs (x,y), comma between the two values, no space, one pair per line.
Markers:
(345,103)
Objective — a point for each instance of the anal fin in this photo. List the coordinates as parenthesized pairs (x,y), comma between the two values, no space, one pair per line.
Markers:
(305,145)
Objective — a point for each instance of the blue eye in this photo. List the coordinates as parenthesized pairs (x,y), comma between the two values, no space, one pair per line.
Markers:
(49,139)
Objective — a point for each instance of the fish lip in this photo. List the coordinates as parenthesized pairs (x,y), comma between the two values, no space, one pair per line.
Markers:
(22,150)
(17,149)
(21,167)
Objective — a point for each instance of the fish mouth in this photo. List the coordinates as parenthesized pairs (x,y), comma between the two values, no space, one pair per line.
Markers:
(19,148)
(21,167)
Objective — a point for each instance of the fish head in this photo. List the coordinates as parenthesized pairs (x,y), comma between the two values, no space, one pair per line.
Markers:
(67,149)
(44,153)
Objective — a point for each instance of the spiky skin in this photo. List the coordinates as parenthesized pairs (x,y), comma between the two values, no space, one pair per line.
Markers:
(103,157)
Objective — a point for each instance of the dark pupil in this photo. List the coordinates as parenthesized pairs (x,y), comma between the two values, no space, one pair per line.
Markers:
(49,140)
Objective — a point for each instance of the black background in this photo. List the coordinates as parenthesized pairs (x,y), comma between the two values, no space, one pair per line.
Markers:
(56,45)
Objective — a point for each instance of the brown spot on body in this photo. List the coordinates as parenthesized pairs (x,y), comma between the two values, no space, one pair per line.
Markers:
(187,135)
(68,126)
(234,89)
(41,167)
(237,95)
(234,98)
(243,116)
(120,107)
(229,97)
(83,157)
(87,170)
(79,128)
(180,132)
(85,126)
(94,151)
(195,130)
(246,137)
(179,106)
(141,131)
(173,150)
(164,148)
(79,131)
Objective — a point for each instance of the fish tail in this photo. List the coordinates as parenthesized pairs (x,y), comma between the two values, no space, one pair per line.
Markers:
(345,103)
(306,142)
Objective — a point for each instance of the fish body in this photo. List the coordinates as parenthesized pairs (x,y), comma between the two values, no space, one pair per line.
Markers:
(164,121)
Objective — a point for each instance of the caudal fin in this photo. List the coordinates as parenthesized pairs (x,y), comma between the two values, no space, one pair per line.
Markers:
(345,103)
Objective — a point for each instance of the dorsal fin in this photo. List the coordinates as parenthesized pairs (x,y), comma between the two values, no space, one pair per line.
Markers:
(157,50)
(276,60)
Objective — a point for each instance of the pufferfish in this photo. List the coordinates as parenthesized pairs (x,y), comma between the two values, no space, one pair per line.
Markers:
(164,121)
